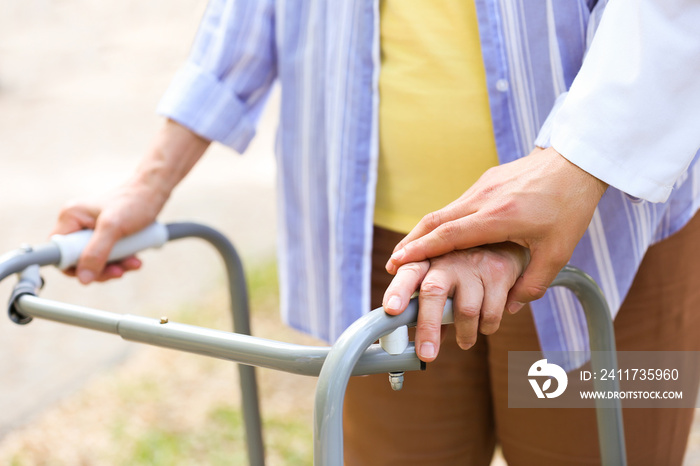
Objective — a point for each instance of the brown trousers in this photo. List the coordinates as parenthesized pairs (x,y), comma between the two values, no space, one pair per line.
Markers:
(456,411)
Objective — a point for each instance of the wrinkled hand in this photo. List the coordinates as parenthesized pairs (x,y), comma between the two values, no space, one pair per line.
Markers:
(116,214)
(134,205)
(542,202)
(477,279)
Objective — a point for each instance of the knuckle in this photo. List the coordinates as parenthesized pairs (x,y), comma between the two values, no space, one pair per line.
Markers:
(509,208)
(433,288)
(490,318)
(447,230)
(476,256)
(468,311)
(428,327)
(487,179)
(535,291)
(414,268)
(498,266)
(69,209)
(431,220)
(492,171)
(64,212)
(108,223)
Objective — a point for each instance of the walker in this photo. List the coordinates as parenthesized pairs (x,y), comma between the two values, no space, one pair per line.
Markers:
(354,353)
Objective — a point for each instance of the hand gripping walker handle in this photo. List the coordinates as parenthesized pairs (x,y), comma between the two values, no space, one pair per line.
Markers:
(71,246)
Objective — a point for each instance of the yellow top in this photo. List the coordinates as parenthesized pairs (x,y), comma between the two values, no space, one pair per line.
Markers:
(435,133)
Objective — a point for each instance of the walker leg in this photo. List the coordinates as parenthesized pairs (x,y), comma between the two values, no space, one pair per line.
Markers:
(611,434)
(240,312)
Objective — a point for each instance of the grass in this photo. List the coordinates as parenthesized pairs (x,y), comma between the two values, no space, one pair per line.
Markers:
(164,407)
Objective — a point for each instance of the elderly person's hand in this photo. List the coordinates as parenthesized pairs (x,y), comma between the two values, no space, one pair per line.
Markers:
(114,215)
(131,207)
(477,279)
(542,202)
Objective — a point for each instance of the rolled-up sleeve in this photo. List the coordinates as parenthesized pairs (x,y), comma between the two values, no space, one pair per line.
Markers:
(219,92)
(632,115)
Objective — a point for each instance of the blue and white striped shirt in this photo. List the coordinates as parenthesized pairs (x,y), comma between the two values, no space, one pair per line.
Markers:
(325,54)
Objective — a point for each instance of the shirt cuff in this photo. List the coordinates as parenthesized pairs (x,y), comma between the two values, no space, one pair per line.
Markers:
(543,139)
(607,169)
(205,105)
(590,160)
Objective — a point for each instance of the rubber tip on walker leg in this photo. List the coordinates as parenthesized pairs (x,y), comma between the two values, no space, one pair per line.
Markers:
(396,380)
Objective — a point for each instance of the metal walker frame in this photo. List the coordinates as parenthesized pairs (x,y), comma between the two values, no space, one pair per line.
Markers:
(353,353)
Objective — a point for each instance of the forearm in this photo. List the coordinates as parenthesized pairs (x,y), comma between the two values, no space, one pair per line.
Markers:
(174,152)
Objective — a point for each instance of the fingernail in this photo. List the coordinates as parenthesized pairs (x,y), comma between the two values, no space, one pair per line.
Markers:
(515,307)
(427,350)
(398,255)
(394,303)
(85,276)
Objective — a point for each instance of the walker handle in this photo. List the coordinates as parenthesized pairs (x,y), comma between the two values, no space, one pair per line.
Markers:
(71,246)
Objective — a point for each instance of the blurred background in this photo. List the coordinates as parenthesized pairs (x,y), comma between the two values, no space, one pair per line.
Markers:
(79,82)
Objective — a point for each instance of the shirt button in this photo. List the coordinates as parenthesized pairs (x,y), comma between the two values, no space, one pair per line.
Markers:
(502,85)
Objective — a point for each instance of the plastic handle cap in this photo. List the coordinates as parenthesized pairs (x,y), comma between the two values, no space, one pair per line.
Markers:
(72,245)
(395,342)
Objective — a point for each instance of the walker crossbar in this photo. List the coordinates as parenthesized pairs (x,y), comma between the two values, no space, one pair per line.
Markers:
(243,349)
(353,354)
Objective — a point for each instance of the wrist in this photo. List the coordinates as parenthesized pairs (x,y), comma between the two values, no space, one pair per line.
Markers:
(593,186)
(151,186)
(174,152)
(154,178)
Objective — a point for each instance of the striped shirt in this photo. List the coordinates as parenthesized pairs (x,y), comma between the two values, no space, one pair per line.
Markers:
(325,54)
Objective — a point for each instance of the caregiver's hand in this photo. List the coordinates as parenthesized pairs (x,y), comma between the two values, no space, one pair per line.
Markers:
(542,202)
(477,279)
